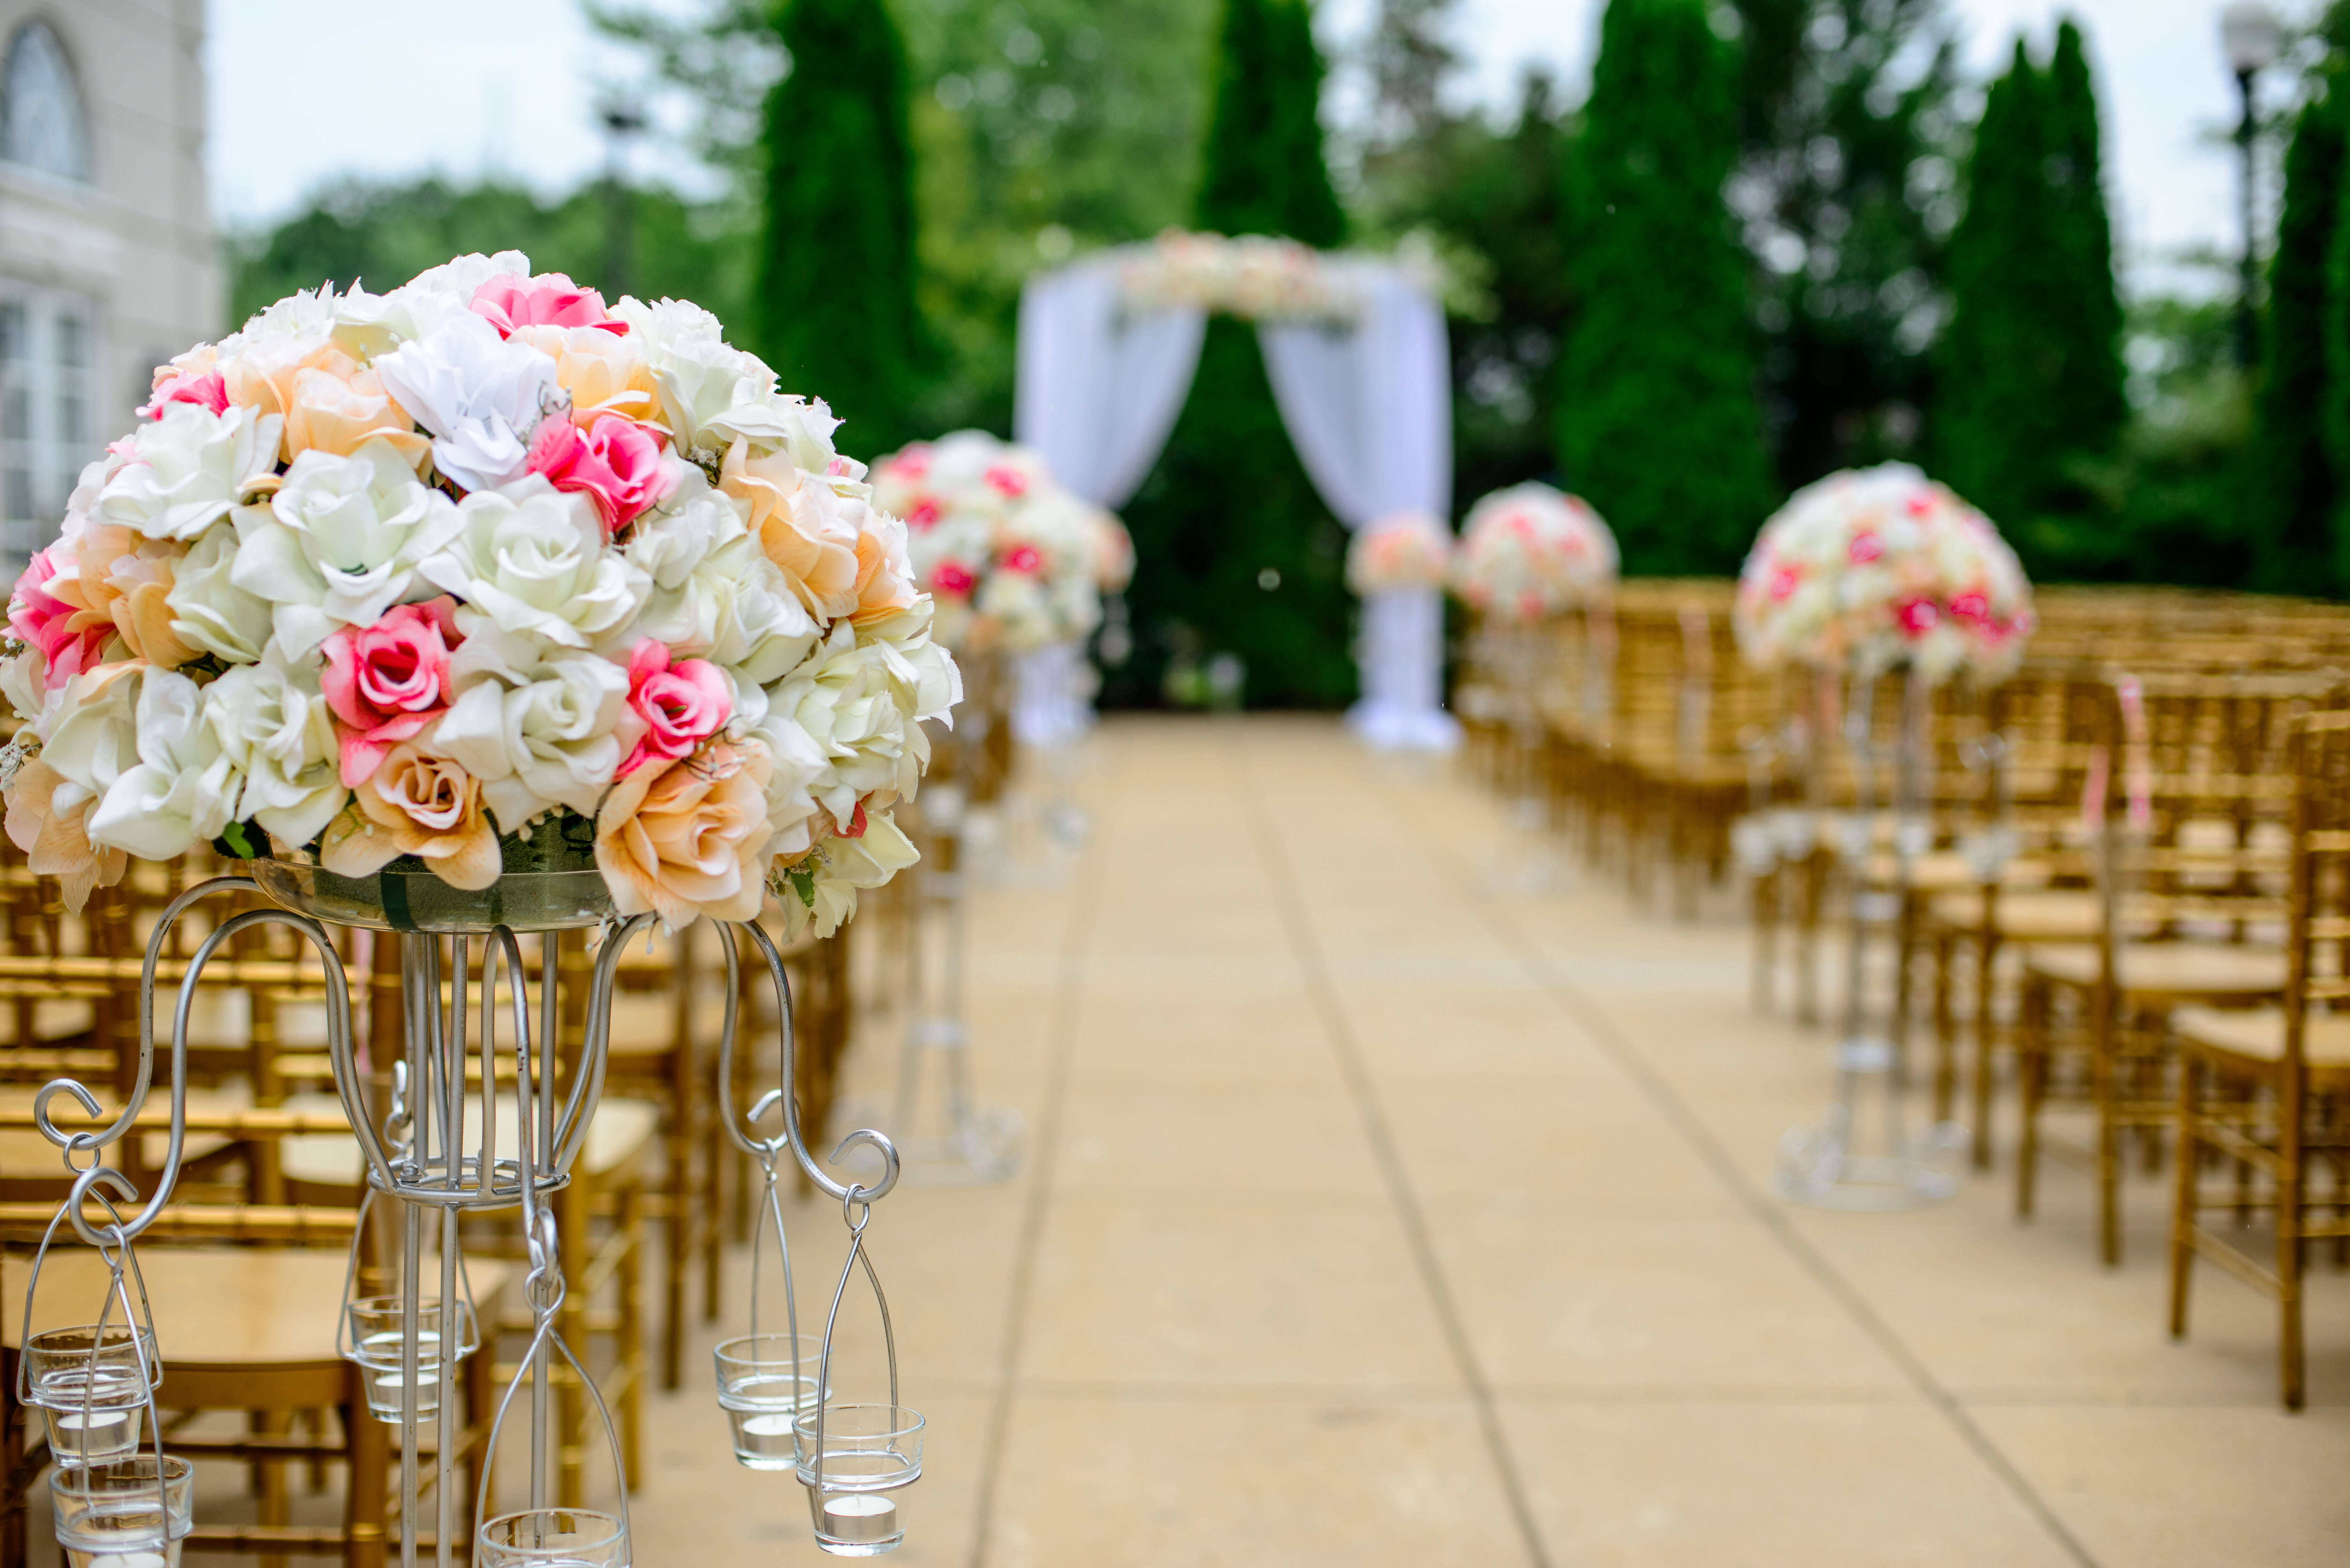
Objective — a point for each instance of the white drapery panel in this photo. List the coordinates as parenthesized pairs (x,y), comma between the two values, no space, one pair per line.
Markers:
(1400,652)
(1369,403)
(1099,390)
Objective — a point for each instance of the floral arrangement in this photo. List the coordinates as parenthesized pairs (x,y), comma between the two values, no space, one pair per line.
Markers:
(1253,276)
(1873,567)
(1402,550)
(1014,561)
(1113,552)
(1531,551)
(414,579)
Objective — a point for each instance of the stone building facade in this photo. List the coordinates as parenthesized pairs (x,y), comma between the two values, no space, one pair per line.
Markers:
(108,264)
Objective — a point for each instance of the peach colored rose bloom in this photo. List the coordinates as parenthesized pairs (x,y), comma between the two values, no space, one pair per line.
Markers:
(684,839)
(604,373)
(328,400)
(801,531)
(885,573)
(415,803)
(58,845)
(128,578)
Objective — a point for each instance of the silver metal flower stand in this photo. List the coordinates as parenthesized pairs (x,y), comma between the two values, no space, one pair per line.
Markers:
(944,1135)
(1836,1164)
(440,1150)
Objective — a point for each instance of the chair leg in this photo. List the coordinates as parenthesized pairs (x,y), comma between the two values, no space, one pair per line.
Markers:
(1766,935)
(1986,1037)
(367,1505)
(1946,1028)
(2106,1089)
(631,1357)
(2290,1182)
(2182,1197)
(2032,1072)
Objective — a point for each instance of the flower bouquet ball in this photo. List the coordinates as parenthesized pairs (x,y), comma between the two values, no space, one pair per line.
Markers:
(454,576)
(1402,550)
(1014,561)
(1531,551)
(1873,567)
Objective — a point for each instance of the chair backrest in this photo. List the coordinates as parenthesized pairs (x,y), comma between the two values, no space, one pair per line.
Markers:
(2318,940)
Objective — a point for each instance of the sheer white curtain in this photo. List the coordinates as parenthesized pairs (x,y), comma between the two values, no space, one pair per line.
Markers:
(1369,405)
(1098,390)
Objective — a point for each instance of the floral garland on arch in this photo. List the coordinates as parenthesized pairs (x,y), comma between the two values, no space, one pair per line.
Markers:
(1402,550)
(1873,567)
(411,577)
(1012,560)
(1254,276)
(1530,551)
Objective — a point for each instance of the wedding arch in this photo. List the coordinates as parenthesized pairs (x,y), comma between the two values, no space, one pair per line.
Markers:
(1355,349)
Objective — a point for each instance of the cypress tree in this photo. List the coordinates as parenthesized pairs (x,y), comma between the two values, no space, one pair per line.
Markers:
(1234,551)
(2296,480)
(1658,425)
(835,278)
(2084,313)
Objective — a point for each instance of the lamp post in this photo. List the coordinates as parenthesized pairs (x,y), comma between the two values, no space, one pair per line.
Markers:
(623,118)
(2253,37)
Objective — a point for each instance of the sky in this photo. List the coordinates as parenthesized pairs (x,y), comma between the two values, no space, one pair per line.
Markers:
(281,125)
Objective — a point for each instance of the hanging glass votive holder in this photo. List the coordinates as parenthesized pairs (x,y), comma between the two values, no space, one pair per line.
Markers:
(764,1391)
(378,1343)
(552,1538)
(849,1458)
(86,1383)
(130,1512)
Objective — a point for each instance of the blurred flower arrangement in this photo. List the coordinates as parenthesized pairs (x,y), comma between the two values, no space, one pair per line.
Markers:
(416,579)
(1871,567)
(1531,551)
(1402,550)
(1014,561)
(1253,277)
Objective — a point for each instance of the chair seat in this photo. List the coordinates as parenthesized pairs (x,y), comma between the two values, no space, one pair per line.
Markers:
(2256,1036)
(618,1137)
(217,1309)
(2168,969)
(2026,915)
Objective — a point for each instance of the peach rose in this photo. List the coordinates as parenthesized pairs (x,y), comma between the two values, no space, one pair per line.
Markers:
(336,412)
(604,374)
(415,803)
(55,841)
(885,572)
(684,839)
(798,524)
(128,578)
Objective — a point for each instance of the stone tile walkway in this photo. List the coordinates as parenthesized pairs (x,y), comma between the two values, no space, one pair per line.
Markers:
(1371,1218)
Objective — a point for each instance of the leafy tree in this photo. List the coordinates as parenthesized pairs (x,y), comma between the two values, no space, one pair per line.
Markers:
(2085,315)
(1844,193)
(1658,421)
(2298,484)
(836,260)
(1234,551)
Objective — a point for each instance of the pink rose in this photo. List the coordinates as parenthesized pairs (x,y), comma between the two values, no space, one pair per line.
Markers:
(384,683)
(922,515)
(1919,506)
(550,300)
(1785,581)
(952,578)
(1864,548)
(911,463)
(616,463)
(207,390)
(1007,480)
(1974,609)
(71,637)
(1917,616)
(683,704)
(1023,558)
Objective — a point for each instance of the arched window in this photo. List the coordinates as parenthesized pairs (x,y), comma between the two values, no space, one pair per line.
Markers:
(41,124)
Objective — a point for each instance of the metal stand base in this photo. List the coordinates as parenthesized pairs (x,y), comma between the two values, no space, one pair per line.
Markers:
(1821,1166)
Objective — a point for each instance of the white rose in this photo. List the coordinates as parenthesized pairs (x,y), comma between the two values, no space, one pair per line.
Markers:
(530,559)
(856,701)
(184,791)
(91,737)
(478,394)
(711,393)
(275,729)
(540,728)
(931,682)
(797,764)
(736,609)
(208,609)
(189,468)
(340,544)
(821,890)
(24,681)
(669,543)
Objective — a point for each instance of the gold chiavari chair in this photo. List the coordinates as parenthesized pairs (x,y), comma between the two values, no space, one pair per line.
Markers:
(2194,796)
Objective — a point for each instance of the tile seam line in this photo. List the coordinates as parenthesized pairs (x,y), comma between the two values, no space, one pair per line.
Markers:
(1766,1211)
(1044,1146)
(1307,954)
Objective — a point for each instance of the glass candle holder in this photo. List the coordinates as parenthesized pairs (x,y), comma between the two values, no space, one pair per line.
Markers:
(378,1337)
(868,1450)
(89,1387)
(552,1538)
(763,1394)
(124,1513)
